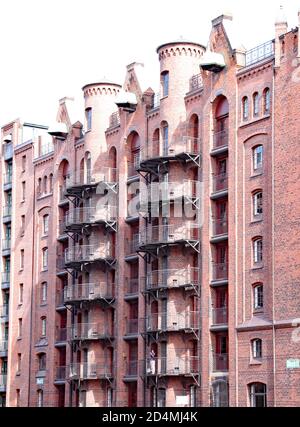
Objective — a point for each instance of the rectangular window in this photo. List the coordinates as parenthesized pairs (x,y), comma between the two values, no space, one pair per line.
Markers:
(22,259)
(23,163)
(257,204)
(21,290)
(258,158)
(22,225)
(20,328)
(258,251)
(165,83)
(44,293)
(19,362)
(88,116)
(23,190)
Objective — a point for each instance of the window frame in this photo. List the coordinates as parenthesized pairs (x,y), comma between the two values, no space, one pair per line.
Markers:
(165,83)
(257,154)
(257,204)
(257,251)
(255,394)
(256,349)
(45,259)
(258,298)
(245,108)
(88,118)
(255,100)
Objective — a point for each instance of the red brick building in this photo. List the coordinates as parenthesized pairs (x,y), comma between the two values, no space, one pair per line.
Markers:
(151,252)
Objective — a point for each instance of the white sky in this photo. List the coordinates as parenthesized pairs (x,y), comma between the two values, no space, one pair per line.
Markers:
(51,48)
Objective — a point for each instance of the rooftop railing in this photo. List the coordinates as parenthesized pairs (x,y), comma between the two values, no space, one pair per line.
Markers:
(259,53)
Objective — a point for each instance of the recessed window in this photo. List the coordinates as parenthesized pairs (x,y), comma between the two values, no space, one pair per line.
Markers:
(21,259)
(258,297)
(18,397)
(21,293)
(45,225)
(22,225)
(42,361)
(40,398)
(23,190)
(20,324)
(165,83)
(45,259)
(256,348)
(257,251)
(88,117)
(258,395)
(257,204)
(23,163)
(44,289)
(43,326)
(45,185)
(19,360)
(258,158)
(282,48)
(245,108)
(51,183)
(267,101)
(255,104)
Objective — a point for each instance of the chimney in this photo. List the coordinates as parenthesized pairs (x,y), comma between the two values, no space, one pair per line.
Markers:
(281,27)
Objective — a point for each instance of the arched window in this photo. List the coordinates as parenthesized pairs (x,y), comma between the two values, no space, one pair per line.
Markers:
(219,394)
(45,259)
(39,186)
(221,122)
(44,289)
(245,108)
(256,348)
(51,182)
(40,398)
(258,395)
(258,296)
(257,202)
(165,137)
(88,164)
(45,225)
(45,185)
(42,361)
(257,158)
(255,104)
(267,101)
(165,83)
(43,326)
(257,250)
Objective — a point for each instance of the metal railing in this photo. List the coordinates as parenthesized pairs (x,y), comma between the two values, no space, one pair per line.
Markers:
(220,226)
(86,371)
(3,346)
(89,331)
(196,82)
(45,148)
(114,119)
(132,326)
(4,311)
(61,373)
(61,334)
(88,253)
(88,292)
(172,278)
(6,277)
(7,178)
(7,210)
(220,182)
(132,245)
(172,365)
(131,369)
(172,321)
(220,362)
(8,150)
(259,53)
(220,316)
(81,177)
(184,145)
(3,380)
(155,101)
(221,139)
(6,244)
(220,271)
(169,234)
(90,215)
(165,191)
(131,286)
